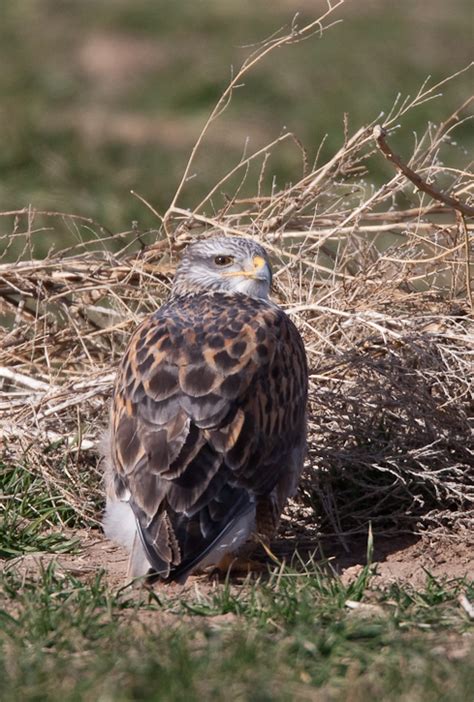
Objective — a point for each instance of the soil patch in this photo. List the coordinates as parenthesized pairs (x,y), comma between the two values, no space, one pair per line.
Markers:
(406,559)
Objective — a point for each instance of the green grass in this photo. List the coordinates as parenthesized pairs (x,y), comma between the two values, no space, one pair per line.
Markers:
(291,635)
(298,633)
(32,514)
(283,639)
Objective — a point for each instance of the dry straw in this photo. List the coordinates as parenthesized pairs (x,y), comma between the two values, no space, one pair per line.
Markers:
(377,277)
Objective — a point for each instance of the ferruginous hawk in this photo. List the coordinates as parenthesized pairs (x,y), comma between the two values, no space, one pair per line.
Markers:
(208,421)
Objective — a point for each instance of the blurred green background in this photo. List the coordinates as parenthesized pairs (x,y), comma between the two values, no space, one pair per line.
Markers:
(101,97)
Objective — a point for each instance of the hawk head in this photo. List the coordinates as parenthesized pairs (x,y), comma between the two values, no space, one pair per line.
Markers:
(227,264)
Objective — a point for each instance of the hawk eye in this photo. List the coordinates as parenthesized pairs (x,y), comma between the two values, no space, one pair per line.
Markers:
(223,260)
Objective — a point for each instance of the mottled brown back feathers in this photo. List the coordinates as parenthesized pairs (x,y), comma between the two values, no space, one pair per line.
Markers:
(208,415)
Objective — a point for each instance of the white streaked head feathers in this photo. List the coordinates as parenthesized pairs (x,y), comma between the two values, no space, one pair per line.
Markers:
(228,264)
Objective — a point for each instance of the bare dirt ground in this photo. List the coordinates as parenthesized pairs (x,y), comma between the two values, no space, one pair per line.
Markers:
(404,559)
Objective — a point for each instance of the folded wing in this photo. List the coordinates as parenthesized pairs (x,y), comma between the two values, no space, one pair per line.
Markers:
(209,405)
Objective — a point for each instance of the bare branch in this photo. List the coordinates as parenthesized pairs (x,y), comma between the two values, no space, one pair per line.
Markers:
(379,136)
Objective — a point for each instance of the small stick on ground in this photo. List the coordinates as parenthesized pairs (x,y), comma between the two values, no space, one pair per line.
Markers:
(466,605)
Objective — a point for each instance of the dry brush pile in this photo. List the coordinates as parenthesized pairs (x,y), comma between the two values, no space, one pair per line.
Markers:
(377,278)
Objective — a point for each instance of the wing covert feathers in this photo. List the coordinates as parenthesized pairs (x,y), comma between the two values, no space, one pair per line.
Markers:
(208,414)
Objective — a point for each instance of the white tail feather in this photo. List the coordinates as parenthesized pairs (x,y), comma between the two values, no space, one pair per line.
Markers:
(119,523)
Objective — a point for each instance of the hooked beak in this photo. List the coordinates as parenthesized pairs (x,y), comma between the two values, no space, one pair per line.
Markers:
(256,268)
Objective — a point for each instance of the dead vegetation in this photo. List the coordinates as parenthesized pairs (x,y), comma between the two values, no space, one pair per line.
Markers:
(377,277)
